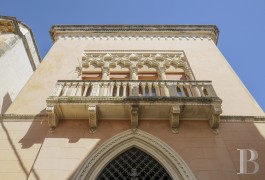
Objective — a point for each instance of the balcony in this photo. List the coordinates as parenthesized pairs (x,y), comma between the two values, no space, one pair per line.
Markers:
(134,100)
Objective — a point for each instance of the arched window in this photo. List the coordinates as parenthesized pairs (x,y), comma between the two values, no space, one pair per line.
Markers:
(133,164)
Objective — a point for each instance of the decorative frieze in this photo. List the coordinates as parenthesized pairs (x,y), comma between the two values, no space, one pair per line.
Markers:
(135,37)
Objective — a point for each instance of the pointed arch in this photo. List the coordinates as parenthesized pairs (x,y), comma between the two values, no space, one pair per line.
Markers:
(160,151)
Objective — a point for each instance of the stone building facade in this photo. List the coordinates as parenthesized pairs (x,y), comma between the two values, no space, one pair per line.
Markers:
(134,102)
(19,58)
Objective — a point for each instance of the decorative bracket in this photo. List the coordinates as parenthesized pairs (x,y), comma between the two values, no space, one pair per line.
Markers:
(215,117)
(53,120)
(93,118)
(134,116)
(174,118)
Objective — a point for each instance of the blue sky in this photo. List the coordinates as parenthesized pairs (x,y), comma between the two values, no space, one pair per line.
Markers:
(241,24)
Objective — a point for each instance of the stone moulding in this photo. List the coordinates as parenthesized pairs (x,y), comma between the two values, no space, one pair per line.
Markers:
(136,30)
(163,153)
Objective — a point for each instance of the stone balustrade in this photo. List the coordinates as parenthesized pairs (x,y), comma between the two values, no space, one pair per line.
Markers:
(134,100)
(131,88)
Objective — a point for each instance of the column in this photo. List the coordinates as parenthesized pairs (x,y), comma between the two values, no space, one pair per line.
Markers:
(105,73)
(134,73)
(162,73)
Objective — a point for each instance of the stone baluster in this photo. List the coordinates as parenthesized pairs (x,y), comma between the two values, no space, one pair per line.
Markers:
(143,85)
(79,89)
(58,89)
(124,85)
(66,88)
(157,89)
(111,86)
(162,86)
(172,88)
(180,85)
(95,89)
(118,86)
(105,88)
(74,88)
(101,89)
(87,84)
(186,85)
(195,90)
(200,87)
(149,84)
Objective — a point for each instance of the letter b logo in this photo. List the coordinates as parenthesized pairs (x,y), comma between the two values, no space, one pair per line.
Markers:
(244,161)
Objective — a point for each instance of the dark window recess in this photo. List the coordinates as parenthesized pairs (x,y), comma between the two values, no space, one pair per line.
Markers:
(134,164)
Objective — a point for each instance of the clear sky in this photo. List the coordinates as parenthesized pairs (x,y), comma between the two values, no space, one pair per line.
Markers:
(241,24)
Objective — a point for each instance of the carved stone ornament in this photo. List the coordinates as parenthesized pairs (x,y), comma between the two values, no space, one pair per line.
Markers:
(162,152)
(174,118)
(161,60)
(134,116)
(93,118)
(214,120)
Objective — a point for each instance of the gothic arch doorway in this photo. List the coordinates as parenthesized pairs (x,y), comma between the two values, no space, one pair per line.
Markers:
(126,143)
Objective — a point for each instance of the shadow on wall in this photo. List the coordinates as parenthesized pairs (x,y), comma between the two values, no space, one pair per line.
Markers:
(6,103)
(37,131)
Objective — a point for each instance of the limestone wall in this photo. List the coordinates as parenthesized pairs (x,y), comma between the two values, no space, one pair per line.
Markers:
(15,70)
(27,149)
(205,59)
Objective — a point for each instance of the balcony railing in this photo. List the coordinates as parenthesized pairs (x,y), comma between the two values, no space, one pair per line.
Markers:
(132,88)
(131,99)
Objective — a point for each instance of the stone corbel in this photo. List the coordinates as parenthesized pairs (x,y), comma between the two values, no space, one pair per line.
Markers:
(215,117)
(53,120)
(93,118)
(174,118)
(134,116)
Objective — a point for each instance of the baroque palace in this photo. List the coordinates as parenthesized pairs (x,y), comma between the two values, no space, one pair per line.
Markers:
(131,102)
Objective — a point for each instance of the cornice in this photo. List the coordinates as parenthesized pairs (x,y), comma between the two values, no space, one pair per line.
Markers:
(159,30)
(11,25)
(242,119)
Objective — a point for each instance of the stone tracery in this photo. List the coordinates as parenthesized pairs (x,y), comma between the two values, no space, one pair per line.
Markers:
(134,60)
